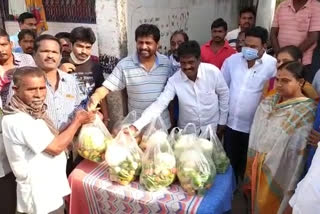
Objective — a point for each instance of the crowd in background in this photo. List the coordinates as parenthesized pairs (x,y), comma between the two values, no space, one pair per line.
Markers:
(258,91)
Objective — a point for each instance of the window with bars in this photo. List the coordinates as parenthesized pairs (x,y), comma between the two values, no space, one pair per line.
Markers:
(77,11)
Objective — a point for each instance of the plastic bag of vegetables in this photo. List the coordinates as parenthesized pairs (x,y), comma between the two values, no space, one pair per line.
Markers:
(93,140)
(123,158)
(183,139)
(125,122)
(195,171)
(219,156)
(158,162)
(155,125)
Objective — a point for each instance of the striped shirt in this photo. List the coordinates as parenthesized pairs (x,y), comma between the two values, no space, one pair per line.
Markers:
(143,87)
(295,25)
(63,102)
(19,60)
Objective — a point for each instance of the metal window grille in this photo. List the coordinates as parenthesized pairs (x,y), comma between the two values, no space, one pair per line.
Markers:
(76,11)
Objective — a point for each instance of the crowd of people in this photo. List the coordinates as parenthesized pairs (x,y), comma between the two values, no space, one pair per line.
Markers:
(261,103)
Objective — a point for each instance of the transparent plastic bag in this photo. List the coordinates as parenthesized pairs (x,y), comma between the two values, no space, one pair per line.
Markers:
(155,126)
(123,158)
(127,121)
(183,139)
(219,156)
(93,140)
(195,171)
(158,161)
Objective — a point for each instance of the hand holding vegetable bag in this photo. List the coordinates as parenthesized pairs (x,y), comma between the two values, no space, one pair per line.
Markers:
(195,171)
(129,119)
(93,140)
(123,158)
(219,156)
(158,161)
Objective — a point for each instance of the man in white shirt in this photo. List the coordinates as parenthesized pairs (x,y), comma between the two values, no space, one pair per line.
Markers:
(247,20)
(201,90)
(34,147)
(245,74)
(7,180)
(26,21)
(177,38)
(306,198)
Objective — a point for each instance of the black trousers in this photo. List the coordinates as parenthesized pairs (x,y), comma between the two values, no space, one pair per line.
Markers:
(236,147)
(8,194)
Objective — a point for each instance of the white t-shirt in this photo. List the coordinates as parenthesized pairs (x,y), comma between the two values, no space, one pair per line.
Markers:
(306,199)
(232,37)
(4,163)
(41,178)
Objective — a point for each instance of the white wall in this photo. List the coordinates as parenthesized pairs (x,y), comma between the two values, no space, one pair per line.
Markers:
(265,13)
(193,16)
(56,27)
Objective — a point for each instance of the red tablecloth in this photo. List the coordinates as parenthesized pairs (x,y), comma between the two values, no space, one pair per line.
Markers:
(93,193)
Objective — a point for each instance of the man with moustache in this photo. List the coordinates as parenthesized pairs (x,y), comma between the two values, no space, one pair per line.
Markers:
(64,39)
(217,49)
(8,62)
(26,21)
(177,38)
(84,66)
(144,74)
(26,40)
(201,90)
(63,93)
(34,147)
(247,20)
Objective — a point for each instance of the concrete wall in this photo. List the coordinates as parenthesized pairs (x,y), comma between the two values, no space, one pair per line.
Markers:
(55,27)
(265,13)
(193,16)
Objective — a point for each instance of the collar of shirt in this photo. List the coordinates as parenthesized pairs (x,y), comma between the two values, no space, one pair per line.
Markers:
(290,4)
(136,60)
(185,78)
(225,46)
(16,59)
(62,78)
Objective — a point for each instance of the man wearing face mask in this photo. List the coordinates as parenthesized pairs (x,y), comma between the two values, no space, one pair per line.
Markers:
(84,66)
(245,74)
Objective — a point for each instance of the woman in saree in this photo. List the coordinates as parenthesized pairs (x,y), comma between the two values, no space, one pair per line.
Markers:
(287,54)
(278,140)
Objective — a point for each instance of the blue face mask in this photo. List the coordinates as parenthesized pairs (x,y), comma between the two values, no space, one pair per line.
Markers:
(249,53)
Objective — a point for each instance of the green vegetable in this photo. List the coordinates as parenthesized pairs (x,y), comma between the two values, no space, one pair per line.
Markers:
(124,160)
(220,158)
(195,171)
(158,163)
(92,143)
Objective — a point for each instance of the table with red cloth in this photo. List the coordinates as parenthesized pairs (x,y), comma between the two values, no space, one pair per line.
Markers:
(93,193)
